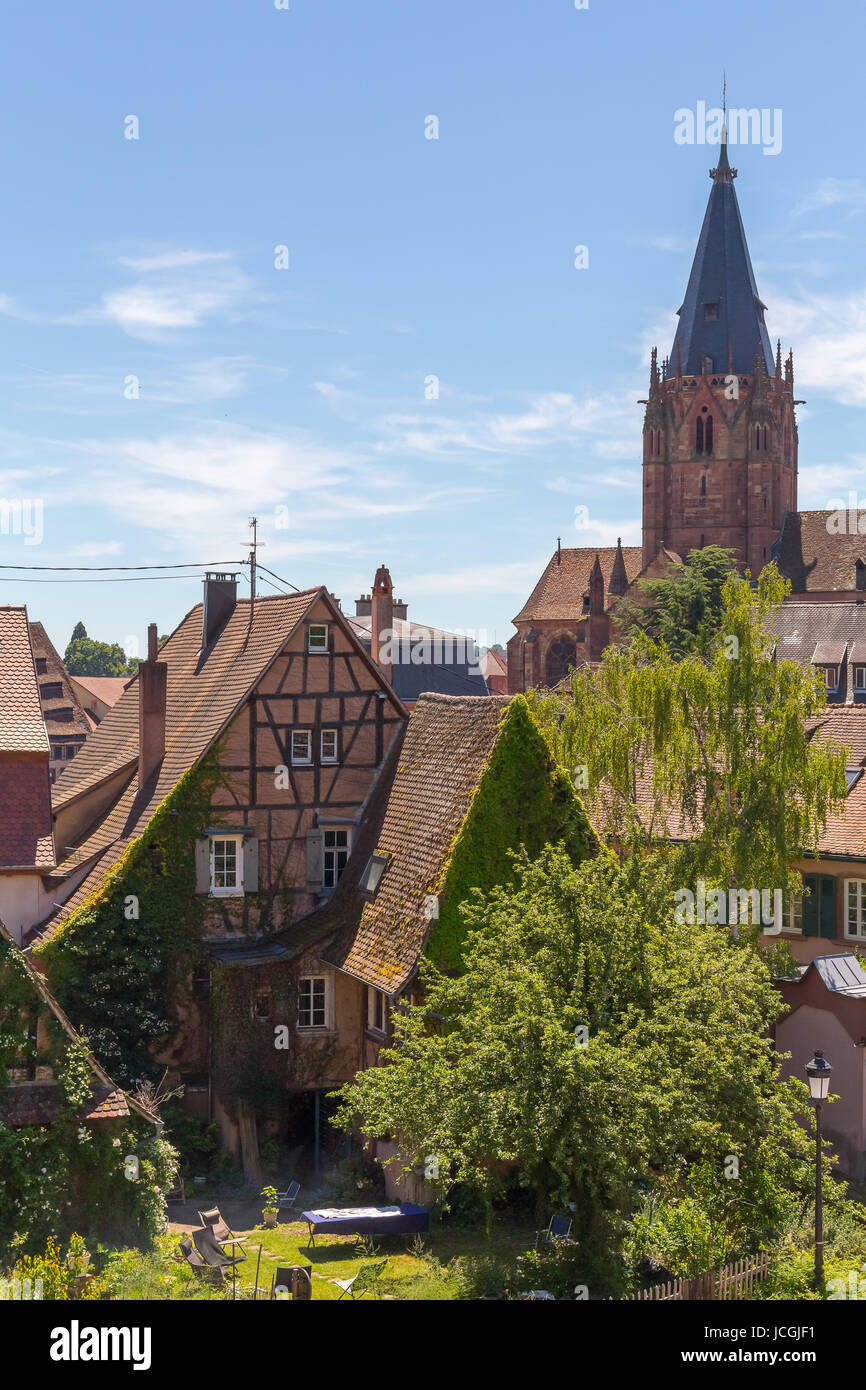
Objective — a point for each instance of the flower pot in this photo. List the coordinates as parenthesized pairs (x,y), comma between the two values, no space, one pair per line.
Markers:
(270,1217)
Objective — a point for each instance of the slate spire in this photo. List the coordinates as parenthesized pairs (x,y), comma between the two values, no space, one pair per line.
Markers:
(722,317)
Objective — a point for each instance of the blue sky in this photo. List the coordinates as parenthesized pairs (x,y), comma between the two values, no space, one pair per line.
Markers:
(304,389)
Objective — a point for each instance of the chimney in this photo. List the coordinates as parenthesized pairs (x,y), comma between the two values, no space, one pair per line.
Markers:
(220,598)
(151,709)
(363,606)
(382,630)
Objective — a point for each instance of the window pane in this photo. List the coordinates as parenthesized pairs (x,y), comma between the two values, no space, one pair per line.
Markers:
(329,745)
(225,863)
(301,739)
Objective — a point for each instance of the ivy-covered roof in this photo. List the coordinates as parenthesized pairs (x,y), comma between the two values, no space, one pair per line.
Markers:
(475,780)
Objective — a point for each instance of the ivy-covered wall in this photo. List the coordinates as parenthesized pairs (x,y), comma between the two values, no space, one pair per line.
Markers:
(523,798)
(69,1175)
(119,965)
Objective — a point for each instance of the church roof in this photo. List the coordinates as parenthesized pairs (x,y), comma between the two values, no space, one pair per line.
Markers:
(560,590)
(721,316)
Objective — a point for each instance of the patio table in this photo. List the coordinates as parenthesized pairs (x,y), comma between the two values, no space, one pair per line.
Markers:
(407,1219)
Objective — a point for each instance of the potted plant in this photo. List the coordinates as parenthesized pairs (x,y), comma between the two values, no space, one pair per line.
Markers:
(271,1211)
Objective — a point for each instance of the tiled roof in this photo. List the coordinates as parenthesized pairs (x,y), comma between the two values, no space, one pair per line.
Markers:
(815,558)
(824,633)
(454,667)
(560,590)
(829,633)
(447,746)
(108,689)
(76,726)
(202,697)
(37,1103)
(26,834)
(21,724)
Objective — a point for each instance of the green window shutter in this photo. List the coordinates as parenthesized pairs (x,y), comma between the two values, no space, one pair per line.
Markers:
(828,907)
(811,904)
(315,860)
(202,866)
(251,865)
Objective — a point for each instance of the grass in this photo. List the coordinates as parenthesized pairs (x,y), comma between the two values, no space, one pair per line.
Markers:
(453,1262)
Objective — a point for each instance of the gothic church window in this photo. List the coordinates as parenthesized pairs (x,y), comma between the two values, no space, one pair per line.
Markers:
(699,436)
(709,434)
(561,655)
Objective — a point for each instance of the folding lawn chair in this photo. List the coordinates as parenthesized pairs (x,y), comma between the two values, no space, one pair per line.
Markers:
(286,1200)
(213,1220)
(559,1229)
(363,1282)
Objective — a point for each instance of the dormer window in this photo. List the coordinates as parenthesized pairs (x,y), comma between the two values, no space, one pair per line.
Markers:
(827,661)
(711,311)
(860,679)
(831,677)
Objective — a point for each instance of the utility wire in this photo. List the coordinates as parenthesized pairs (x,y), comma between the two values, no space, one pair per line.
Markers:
(133,579)
(192,565)
(276,576)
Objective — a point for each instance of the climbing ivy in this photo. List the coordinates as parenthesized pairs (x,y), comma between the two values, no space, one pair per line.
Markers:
(523,798)
(121,961)
(68,1175)
(259,1058)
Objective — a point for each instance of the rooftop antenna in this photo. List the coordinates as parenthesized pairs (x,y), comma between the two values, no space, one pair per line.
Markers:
(254,522)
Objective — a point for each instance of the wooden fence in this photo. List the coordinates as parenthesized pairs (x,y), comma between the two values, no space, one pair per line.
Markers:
(735,1280)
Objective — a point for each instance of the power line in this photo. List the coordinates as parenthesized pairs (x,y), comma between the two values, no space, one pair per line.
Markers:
(98,569)
(276,576)
(133,579)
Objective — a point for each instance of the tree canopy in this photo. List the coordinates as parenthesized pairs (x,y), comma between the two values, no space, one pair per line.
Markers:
(597,1051)
(713,750)
(84,656)
(683,609)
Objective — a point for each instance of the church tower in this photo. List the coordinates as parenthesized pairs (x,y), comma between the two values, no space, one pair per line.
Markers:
(720,433)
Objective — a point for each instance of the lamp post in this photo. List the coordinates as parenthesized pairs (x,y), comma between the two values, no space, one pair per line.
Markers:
(818,1071)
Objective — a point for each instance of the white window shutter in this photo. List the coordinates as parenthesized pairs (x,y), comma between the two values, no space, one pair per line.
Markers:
(315,860)
(251,865)
(202,866)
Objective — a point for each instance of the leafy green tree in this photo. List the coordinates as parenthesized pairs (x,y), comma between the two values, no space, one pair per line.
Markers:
(596,1049)
(684,609)
(712,751)
(85,657)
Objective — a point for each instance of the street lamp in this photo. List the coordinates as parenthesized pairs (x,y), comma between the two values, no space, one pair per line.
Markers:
(818,1071)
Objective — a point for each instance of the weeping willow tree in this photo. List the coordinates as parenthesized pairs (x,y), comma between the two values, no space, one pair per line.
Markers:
(713,751)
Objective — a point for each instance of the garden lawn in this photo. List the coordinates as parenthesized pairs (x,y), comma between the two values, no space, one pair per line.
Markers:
(436,1267)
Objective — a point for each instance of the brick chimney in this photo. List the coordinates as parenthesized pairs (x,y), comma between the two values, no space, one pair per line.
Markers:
(382,630)
(151,709)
